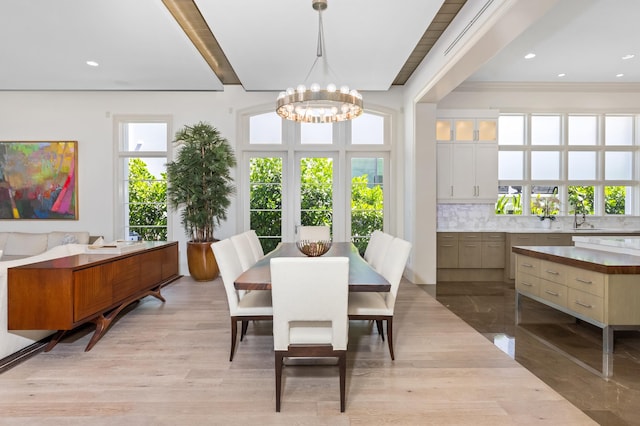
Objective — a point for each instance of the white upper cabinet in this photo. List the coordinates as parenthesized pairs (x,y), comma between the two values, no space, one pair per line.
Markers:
(467,157)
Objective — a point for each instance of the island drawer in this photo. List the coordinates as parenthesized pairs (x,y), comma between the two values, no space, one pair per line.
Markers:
(528,265)
(587,281)
(586,304)
(526,283)
(553,272)
(554,293)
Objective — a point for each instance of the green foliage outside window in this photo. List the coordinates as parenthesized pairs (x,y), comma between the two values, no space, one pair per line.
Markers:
(316,200)
(147,202)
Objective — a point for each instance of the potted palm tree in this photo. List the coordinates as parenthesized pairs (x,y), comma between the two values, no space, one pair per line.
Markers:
(199,182)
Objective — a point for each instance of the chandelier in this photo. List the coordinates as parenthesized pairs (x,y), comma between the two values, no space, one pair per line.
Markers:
(316,104)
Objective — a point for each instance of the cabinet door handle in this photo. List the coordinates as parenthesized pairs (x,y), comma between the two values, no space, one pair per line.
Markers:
(580,280)
(471,245)
(552,272)
(493,245)
(495,236)
(447,245)
(526,283)
(553,293)
(584,305)
(526,265)
(452,190)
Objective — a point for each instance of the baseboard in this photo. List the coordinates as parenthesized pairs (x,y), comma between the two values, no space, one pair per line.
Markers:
(16,358)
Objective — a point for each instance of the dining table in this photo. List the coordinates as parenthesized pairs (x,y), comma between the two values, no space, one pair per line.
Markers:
(362,276)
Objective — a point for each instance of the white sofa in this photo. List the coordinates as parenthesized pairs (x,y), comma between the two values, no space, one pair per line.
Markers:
(30,244)
(21,248)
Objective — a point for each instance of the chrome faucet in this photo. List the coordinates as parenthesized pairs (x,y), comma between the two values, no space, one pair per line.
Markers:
(577,224)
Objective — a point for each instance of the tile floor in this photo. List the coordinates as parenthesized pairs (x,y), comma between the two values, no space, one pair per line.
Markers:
(565,353)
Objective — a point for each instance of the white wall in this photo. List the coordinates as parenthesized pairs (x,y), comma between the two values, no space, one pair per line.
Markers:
(87,117)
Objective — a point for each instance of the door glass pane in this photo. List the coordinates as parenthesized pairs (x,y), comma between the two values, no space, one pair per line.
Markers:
(367,129)
(316,133)
(545,130)
(265,200)
(618,130)
(265,128)
(583,130)
(510,165)
(146,198)
(464,130)
(615,199)
(582,165)
(545,165)
(511,130)
(367,200)
(618,165)
(316,191)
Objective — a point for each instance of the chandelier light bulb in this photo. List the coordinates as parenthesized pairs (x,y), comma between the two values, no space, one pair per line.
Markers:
(331,87)
(344,89)
(315,87)
(301,88)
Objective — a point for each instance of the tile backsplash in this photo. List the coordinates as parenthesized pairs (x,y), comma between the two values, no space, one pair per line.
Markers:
(482,217)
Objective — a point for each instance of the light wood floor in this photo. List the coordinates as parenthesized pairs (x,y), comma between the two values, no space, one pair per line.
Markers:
(167,364)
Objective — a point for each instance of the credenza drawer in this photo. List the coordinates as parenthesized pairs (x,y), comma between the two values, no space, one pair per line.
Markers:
(586,304)
(528,284)
(587,281)
(553,292)
(554,272)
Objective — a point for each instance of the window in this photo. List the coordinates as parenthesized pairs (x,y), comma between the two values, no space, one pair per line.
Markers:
(142,145)
(298,174)
(585,161)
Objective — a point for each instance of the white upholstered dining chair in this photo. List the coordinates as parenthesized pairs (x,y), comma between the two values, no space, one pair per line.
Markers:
(242,245)
(310,312)
(243,306)
(380,306)
(314,233)
(254,241)
(377,249)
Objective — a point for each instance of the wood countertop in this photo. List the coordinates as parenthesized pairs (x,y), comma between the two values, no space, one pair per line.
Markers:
(592,260)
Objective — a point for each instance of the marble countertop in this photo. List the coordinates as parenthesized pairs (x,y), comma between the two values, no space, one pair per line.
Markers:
(602,231)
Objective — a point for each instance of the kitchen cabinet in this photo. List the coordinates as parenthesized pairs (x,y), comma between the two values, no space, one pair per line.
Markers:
(467,130)
(447,250)
(467,173)
(470,250)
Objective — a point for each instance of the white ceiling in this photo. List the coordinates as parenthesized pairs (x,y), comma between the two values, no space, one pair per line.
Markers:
(272,45)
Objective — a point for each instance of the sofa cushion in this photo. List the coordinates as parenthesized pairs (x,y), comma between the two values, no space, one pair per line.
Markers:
(58,238)
(25,244)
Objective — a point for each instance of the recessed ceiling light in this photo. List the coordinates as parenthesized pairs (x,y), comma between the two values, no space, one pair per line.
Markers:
(619,75)
(629,56)
(92,63)
(561,74)
(530,56)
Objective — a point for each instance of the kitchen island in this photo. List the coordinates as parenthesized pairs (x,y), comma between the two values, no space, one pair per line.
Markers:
(597,286)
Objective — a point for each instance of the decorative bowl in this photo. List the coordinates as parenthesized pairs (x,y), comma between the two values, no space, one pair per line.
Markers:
(314,248)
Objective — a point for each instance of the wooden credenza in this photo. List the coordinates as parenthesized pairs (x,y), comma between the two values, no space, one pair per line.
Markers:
(62,294)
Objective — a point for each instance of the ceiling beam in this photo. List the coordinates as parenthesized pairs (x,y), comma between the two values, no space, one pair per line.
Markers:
(188,16)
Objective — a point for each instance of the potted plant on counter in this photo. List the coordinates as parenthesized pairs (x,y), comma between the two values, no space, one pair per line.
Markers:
(199,182)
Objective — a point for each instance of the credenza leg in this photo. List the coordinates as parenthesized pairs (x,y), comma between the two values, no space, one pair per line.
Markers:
(55,339)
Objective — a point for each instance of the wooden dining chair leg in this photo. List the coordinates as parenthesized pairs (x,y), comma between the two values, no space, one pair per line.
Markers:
(342,360)
(279,358)
(380,332)
(390,336)
(245,326)
(234,332)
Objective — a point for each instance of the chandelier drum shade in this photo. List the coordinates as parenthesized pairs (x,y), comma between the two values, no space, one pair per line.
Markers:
(317,104)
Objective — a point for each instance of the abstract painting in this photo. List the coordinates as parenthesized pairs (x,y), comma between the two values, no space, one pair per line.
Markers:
(38,180)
